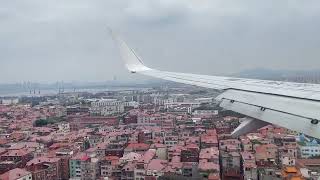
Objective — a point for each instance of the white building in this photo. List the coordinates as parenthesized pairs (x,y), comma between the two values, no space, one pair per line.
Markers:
(288,161)
(206,112)
(106,107)
(161,101)
(143,118)
(64,127)
(133,104)
(309,149)
(182,106)
(49,102)
(9,101)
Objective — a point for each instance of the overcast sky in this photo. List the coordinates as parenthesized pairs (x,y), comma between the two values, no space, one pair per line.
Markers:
(50,40)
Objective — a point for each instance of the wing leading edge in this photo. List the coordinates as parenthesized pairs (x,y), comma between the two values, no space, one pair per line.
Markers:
(291,105)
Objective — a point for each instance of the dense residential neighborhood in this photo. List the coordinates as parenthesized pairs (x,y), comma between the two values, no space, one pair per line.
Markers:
(147,134)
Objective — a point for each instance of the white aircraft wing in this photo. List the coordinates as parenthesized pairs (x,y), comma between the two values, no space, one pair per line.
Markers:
(295,106)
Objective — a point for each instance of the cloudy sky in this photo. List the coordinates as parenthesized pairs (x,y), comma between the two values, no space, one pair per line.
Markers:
(50,40)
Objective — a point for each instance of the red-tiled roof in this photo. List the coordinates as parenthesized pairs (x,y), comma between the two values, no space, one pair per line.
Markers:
(308,162)
(247,155)
(157,165)
(138,146)
(20,152)
(42,160)
(146,158)
(208,166)
(111,158)
(209,153)
(14,174)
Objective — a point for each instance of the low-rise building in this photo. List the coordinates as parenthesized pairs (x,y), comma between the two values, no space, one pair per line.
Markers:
(136,147)
(209,155)
(109,166)
(207,168)
(65,155)
(90,169)
(291,173)
(248,165)
(75,166)
(309,149)
(84,167)
(115,149)
(64,127)
(266,154)
(230,145)
(16,174)
(310,168)
(14,159)
(44,168)
(161,151)
(142,163)
(208,141)
(106,107)
(190,153)
(230,164)
(156,167)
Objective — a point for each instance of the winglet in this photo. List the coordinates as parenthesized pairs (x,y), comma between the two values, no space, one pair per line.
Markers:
(132,61)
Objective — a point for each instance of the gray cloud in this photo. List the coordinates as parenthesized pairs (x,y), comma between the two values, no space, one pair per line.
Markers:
(67,40)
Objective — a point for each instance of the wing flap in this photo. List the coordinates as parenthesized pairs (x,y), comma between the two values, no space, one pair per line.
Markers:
(298,107)
(248,125)
(253,106)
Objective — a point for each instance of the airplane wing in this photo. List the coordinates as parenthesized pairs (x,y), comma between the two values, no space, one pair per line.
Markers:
(295,106)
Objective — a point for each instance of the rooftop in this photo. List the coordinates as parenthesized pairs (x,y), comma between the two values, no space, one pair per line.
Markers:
(157,165)
(138,146)
(14,174)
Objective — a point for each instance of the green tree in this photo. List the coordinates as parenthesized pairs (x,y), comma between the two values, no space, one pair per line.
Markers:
(40,123)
